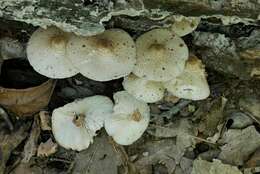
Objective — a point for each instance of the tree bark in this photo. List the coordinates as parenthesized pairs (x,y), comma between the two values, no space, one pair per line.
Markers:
(86,17)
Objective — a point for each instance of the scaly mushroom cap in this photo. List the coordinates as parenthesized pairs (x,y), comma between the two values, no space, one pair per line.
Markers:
(129,119)
(161,55)
(75,124)
(192,83)
(46,52)
(185,25)
(103,57)
(142,89)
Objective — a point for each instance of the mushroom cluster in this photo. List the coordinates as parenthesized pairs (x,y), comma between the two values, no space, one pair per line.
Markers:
(75,124)
(107,56)
(158,61)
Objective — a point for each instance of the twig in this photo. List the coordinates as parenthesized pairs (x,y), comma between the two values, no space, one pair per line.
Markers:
(175,109)
(204,140)
(60,160)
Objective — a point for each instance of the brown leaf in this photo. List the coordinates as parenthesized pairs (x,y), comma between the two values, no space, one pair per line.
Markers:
(8,142)
(100,157)
(238,145)
(48,148)
(26,102)
(26,168)
(164,152)
(30,147)
(211,120)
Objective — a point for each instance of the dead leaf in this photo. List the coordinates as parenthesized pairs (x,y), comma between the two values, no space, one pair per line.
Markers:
(100,156)
(186,165)
(30,147)
(249,46)
(46,149)
(8,142)
(239,145)
(254,160)
(45,120)
(211,120)
(23,168)
(184,133)
(164,152)
(172,129)
(26,102)
(215,167)
(251,104)
(239,120)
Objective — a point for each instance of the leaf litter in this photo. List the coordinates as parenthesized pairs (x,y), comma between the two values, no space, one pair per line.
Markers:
(214,136)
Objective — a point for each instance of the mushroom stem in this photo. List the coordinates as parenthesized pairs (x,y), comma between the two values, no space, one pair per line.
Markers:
(136,116)
(79,120)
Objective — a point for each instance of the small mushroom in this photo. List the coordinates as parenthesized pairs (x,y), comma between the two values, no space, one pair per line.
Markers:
(142,89)
(46,52)
(129,119)
(192,83)
(107,56)
(75,124)
(161,55)
(185,25)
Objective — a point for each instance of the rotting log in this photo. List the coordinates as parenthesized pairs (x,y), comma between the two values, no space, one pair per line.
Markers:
(86,17)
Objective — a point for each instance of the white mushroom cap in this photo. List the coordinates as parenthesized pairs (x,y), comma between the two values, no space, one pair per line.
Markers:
(161,55)
(74,125)
(103,57)
(129,119)
(192,83)
(46,52)
(185,25)
(142,89)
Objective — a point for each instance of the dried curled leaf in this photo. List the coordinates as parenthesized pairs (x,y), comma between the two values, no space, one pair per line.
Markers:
(239,145)
(25,102)
(47,148)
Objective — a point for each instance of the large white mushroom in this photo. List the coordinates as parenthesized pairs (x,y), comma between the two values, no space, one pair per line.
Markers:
(75,124)
(185,25)
(46,52)
(161,55)
(142,89)
(109,55)
(129,119)
(192,83)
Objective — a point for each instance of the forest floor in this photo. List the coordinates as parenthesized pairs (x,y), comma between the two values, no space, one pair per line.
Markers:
(218,135)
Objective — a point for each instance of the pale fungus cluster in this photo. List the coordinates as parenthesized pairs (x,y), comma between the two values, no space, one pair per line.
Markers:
(75,124)
(157,61)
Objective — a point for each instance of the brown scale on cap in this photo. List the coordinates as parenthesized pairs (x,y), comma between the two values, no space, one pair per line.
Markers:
(58,41)
(79,120)
(136,116)
(157,47)
(102,43)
